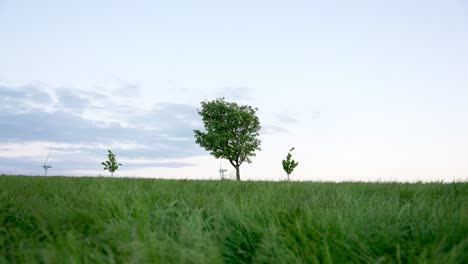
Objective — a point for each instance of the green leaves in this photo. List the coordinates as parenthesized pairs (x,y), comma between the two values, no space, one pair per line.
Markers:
(231,131)
(111,164)
(289,164)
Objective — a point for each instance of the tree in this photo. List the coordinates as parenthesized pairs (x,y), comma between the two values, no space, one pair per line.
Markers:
(231,131)
(111,164)
(289,164)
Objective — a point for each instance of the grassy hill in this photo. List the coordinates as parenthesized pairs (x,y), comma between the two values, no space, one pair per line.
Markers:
(96,220)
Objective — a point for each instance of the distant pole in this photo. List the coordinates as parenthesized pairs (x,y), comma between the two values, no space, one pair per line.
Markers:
(45,165)
(221,170)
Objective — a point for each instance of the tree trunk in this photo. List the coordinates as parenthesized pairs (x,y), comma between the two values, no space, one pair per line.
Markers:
(237,172)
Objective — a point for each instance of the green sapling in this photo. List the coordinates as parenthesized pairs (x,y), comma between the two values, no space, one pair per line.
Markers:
(111,164)
(289,164)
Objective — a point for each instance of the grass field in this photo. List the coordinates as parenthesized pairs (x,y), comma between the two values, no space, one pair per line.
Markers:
(97,220)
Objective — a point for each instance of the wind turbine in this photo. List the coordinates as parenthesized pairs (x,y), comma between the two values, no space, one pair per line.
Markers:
(46,165)
(221,170)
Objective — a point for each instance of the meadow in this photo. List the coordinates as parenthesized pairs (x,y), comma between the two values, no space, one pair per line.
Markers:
(112,220)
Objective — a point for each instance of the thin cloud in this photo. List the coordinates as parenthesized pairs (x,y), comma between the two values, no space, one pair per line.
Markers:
(272,129)
(286,119)
(71,100)
(129,90)
(86,135)
(159,164)
(23,165)
(234,93)
(25,98)
(27,93)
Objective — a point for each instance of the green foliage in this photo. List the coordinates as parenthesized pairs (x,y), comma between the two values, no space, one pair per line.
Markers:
(289,164)
(111,163)
(231,131)
(110,220)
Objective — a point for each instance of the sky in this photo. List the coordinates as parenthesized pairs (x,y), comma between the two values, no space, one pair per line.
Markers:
(364,90)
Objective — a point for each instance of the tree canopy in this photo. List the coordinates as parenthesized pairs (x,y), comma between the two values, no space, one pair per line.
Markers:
(231,131)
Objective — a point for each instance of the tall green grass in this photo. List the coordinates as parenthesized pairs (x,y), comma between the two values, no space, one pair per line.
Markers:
(103,220)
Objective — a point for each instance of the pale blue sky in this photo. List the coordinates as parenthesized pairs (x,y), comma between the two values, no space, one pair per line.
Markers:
(365,90)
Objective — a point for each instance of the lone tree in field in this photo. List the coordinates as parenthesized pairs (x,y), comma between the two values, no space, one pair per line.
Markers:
(232,131)
(289,164)
(111,163)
